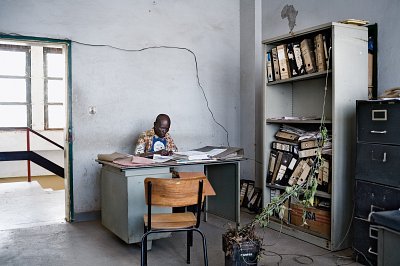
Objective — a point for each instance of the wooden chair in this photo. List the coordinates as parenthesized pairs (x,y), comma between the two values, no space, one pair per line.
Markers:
(173,192)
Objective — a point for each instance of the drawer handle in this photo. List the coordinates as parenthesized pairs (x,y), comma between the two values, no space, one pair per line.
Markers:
(372,252)
(384,159)
(378,132)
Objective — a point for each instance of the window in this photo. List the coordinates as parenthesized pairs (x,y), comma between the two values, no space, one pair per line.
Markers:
(32,85)
(15,100)
(54,88)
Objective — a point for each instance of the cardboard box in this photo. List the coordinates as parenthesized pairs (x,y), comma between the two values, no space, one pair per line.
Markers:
(318,221)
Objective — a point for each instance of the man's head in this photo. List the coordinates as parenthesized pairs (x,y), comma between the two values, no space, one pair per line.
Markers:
(161,125)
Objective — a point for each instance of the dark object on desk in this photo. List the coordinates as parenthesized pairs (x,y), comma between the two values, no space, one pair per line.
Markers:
(173,193)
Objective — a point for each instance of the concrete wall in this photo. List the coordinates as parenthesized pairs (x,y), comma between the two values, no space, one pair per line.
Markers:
(128,89)
(250,87)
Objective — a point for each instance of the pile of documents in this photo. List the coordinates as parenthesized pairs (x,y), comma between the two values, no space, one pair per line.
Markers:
(208,153)
(391,93)
(124,159)
(292,157)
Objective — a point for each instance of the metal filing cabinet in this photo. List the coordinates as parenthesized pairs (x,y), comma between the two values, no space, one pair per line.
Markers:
(377,170)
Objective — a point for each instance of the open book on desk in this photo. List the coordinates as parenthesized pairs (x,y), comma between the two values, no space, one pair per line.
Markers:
(222,153)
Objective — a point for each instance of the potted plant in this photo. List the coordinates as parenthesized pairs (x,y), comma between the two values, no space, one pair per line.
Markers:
(242,246)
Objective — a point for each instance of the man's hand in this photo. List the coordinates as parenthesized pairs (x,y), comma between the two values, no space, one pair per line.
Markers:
(166,153)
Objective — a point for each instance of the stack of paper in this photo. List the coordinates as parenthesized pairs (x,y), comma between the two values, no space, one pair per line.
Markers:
(191,155)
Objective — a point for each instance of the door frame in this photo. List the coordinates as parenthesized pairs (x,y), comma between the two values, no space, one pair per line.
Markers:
(68,145)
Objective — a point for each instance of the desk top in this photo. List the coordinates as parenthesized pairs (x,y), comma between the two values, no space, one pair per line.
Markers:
(172,163)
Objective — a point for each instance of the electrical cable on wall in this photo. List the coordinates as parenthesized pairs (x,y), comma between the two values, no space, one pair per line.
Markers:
(167,47)
(148,48)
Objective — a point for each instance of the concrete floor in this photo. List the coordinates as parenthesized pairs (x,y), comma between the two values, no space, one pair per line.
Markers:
(48,240)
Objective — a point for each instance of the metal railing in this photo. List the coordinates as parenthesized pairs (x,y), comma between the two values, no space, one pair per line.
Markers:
(28,143)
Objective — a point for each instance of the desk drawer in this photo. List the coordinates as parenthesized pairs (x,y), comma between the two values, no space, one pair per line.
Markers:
(374,197)
(378,121)
(378,163)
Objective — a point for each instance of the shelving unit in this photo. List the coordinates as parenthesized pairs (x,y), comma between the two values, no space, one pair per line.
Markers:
(303,96)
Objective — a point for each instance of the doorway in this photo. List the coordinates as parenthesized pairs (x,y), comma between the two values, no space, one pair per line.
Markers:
(35,103)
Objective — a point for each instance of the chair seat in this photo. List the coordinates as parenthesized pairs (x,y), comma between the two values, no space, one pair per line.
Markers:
(171,220)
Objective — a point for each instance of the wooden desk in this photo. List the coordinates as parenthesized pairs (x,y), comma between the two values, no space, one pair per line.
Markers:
(122,194)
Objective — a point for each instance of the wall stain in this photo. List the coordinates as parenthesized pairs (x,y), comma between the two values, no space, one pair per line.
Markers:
(290,13)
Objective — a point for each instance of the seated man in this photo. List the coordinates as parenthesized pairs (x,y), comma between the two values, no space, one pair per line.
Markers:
(156,140)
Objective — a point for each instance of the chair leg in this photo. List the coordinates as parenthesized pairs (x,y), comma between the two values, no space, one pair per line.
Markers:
(188,245)
(191,237)
(143,250)
(204,246)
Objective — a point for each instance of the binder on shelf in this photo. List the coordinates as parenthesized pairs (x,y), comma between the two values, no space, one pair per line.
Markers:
(301,172)
(246,187)
(305,172)
(308,153)
(289,171)
(308,55)
(292,61)
(299,59)
(275,63)
(270,73)
(327,45)
(323,176)
(243,191)
(308,144)
(255,200)
(271,165)
(283,167)
(250,193)
(285,146)
(283,61)
(277,164)
(286,136)
(320,58)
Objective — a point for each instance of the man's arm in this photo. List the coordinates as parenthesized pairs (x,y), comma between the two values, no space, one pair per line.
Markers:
(171,147)
(140,148)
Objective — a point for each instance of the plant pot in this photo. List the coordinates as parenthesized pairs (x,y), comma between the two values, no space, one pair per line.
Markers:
(243,254)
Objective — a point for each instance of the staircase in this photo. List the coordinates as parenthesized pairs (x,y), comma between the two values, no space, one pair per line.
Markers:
(32,156)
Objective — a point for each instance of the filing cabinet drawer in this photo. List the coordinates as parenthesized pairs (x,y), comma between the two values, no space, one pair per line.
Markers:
(378,121)
(374,197)
(362,242)
(378,163)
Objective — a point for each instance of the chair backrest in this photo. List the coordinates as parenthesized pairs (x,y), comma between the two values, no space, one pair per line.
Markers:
(173,192)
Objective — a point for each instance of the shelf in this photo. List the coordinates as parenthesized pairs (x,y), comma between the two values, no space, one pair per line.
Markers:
(291,101)
(317,193)
(296,121)
(294,231)
(300,78)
